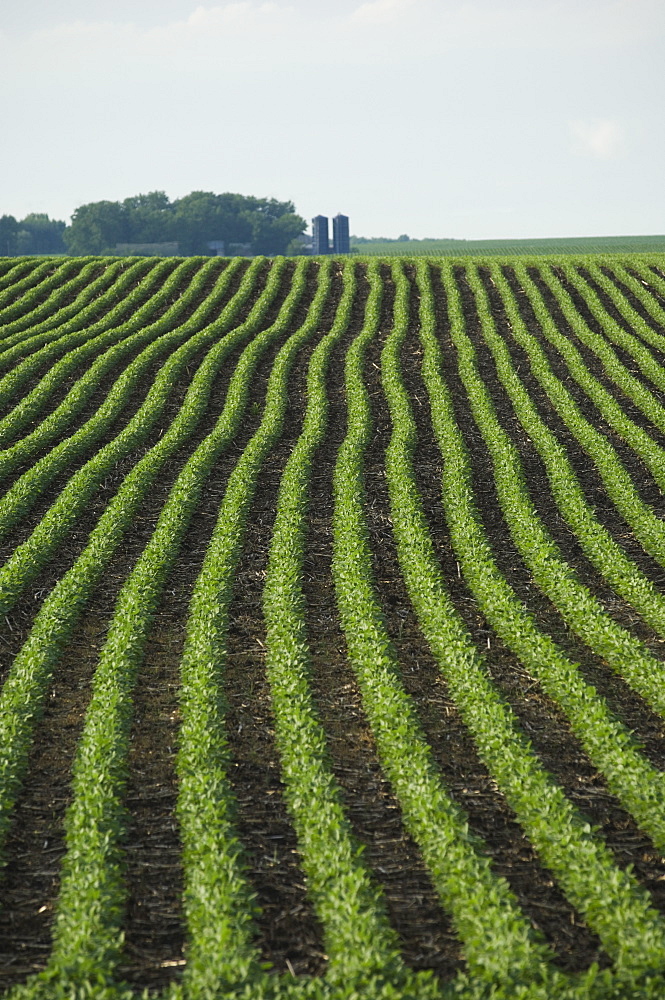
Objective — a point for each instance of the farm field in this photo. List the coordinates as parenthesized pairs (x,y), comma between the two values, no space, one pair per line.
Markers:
(332,620)
(516,247)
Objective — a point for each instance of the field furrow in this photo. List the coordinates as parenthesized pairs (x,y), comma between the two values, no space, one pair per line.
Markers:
(332,628)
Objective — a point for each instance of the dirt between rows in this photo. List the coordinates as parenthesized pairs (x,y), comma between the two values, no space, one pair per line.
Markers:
(99,395)
(629,706)
(35,844)
(65,384)
(543,722)
(288,933)
(19,619)
(36,295)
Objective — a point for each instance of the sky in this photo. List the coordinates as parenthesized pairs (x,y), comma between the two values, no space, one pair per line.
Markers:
(470,119)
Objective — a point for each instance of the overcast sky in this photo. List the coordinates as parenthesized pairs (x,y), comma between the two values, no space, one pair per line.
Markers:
(444,118)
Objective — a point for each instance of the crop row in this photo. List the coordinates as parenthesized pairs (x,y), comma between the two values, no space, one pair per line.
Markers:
(38,353)
(583,866)
(87,931)
(26,683)
(108,328)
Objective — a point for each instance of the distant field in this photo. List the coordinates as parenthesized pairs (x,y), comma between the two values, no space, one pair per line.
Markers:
(332,628)
(490,248)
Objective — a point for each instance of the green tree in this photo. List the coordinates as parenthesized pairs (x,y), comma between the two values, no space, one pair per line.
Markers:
(8,232)
(202,216)
(96,228)
(39,234)
(275,235)
(268,226)
(274,225)
(150,218)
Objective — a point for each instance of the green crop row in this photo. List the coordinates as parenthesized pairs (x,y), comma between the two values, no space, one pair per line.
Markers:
(600,345)
(18,273)
(609,744)
(99,336)
(611,901)
(646,525)
(42,349)
(46,302)
(595,540)
(607,405)
(635,280)
(639,330)
(358,939)
(32,554)
(88,937)
(623,653)
(26,684)
(19,346)
(638,324)
(179,315)
(84,312)
(217,897)
(47,278)
(499,943)
(86,298)
(653,279)
(123,344)
(582,611)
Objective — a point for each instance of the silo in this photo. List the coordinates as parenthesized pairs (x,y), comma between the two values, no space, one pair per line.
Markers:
(341,234)
(320,241)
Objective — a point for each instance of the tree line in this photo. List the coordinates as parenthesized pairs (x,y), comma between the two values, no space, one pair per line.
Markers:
(199,222)
(34,234)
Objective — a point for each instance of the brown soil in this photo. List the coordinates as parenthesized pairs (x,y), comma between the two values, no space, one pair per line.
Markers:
(41,807)
(542,721)
(647,278)
(36,295)
(64,386)
(629,296)
(99,395)
(625,703)
(594,364)
(154,928)
(21,615)
(289,935)
(426,937)
(465,776)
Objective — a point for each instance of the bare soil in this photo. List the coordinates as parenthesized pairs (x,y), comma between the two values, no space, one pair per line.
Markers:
(288,933)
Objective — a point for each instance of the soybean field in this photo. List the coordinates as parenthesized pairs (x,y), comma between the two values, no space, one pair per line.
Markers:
(332,622)
(580,245)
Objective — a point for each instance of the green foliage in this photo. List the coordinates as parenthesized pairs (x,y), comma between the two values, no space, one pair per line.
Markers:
(25,686)
(623,652)
(218,904)
(359,940)
(96,228)
(62,339)
(38,303)
(87,934)
(499,944)
(35,234)
(611,900)
(401,247)
(193,221)
(141,328)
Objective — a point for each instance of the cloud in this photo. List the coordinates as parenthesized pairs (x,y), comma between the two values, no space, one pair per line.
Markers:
(234,36)
(240,15)
(238,36)
(221,22)
(381,11)
(602,138)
